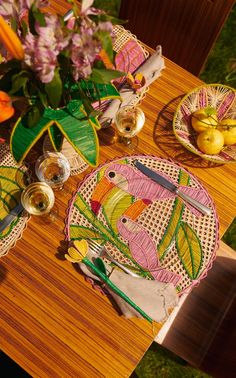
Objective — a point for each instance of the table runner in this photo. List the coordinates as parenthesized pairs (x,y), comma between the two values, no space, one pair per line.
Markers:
(13,179)
(150,230)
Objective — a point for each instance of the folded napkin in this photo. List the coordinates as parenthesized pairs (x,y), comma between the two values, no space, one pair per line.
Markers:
(150,69)
(153,297)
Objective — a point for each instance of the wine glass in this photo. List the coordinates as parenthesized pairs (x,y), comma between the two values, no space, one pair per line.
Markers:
(129,121)
(38,199)
(53,168)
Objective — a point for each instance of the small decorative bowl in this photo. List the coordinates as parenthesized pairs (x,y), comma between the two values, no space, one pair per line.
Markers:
(218,96)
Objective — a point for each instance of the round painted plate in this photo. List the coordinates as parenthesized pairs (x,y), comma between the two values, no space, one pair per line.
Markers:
(220,97)
(144,225)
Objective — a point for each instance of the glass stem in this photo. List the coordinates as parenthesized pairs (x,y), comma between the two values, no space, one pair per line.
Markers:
(126,141)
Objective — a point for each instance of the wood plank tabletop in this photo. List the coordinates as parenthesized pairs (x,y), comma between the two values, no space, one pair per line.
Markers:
(52,322)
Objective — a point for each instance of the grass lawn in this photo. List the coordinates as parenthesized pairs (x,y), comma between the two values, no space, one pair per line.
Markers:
(161,363)
(221,64)
(221,68)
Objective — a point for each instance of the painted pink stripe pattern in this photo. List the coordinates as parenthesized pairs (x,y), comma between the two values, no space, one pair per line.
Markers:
(129,58)
(137,184)
(141,245)
(226,104)
(164,275)
(144,251)
(202,98)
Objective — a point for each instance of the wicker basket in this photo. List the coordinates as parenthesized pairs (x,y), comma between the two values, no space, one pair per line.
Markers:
(220,97)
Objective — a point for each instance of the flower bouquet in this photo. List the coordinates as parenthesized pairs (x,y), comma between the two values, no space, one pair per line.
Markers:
(52,70)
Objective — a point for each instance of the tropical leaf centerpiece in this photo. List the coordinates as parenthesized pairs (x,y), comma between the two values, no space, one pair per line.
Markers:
(53,69)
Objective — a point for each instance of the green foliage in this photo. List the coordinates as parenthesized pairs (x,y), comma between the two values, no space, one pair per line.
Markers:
(230,235)
(106,42)
(35,16)
(221,64)
(19,80)
(32,117)
(112,7)
(160,363)
(54,90)
(104,76)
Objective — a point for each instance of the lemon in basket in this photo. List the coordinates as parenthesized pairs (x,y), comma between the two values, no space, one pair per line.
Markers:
(210,141)
(204,118)
(228,129)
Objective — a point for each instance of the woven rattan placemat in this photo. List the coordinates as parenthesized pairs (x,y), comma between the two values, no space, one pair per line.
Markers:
(145,226)
(13,179)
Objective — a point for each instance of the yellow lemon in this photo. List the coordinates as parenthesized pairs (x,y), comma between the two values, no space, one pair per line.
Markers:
(210,141)
(204,118)
(228,129)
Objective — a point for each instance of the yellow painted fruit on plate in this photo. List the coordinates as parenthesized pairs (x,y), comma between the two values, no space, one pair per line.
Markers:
(210,141)
(228,129)
(204,118)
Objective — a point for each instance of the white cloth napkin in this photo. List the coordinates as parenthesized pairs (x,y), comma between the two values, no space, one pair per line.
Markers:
(153,297)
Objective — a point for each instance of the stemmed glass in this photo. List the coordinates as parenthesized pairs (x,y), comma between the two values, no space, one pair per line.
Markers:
(129,120)
(53,168)
(38,199)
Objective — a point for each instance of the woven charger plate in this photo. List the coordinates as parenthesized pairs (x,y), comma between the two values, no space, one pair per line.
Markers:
(220,97)
(143,225)
(13,179)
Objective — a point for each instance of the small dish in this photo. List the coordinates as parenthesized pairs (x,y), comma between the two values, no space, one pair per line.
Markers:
(218,96)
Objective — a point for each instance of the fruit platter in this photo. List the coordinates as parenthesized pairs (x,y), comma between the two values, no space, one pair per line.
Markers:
(205,122)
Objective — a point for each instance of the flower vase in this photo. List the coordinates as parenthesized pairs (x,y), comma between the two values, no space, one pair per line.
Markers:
(73,122)
(70,122)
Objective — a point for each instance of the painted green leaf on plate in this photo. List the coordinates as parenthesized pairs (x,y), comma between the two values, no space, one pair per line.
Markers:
(80,232)
(189,249)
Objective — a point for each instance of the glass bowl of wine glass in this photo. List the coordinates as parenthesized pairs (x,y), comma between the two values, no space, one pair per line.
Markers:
(38,198)
(53,168)
(129,120)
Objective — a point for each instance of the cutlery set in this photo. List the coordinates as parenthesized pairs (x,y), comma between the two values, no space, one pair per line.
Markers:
(171,187)
(101,251)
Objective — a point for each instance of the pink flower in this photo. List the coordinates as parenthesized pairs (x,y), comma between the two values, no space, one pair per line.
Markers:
(12,9)
(76,39)
(105,26)
(84,50)
(41,50)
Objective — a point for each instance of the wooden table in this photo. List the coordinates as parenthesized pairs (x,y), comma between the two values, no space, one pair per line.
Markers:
(55,324)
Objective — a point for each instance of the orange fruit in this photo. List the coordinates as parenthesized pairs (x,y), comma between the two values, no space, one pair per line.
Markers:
(6,108)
